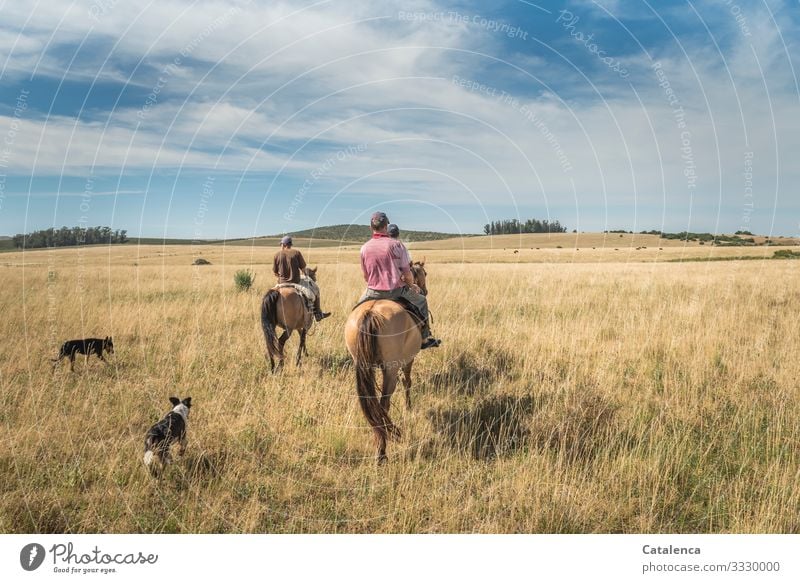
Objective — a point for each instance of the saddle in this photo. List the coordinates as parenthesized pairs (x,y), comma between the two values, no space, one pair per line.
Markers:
(300,288)
(308,298)
(408,306)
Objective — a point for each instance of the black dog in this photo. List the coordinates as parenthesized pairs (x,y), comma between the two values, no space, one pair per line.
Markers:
(171,429)
(87,347)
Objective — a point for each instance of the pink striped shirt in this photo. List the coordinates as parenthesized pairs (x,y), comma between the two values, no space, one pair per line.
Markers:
(383,259)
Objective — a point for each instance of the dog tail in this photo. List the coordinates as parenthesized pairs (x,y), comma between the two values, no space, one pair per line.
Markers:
(148,457)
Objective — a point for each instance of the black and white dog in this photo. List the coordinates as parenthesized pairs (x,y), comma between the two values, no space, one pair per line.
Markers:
(87,347)
(171,429)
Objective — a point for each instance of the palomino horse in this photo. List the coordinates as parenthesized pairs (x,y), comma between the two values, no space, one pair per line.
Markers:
(285,307)
(382,334)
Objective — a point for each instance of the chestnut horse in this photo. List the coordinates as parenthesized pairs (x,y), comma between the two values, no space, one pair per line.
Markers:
(285,307)
(382,334)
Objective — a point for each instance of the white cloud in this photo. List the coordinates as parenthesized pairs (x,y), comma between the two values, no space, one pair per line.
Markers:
(256,76)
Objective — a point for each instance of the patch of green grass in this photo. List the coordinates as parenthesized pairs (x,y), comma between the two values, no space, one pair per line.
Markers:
(244,279)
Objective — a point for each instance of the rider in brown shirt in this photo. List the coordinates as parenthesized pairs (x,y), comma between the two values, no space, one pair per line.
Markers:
(288,263)
(288,266)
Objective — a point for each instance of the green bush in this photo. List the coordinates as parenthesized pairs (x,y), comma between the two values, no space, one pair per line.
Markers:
(244,279)
(786,254)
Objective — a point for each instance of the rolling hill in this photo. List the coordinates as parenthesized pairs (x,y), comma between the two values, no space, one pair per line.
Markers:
(363,232)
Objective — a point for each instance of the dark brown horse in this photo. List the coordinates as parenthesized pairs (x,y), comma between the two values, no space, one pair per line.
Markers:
(285,307)
(382,334)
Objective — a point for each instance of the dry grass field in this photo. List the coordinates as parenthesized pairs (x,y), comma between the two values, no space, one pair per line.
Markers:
(576,391)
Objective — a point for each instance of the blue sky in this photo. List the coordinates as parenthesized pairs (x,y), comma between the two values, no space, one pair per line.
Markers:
(214,119)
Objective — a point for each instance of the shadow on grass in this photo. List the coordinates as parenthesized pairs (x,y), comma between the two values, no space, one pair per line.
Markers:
(334,363)
(203,466)
(494,427)
(579,429)
(469,374)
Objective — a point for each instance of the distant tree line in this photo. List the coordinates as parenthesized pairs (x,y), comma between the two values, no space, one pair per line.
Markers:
(712,238)
(68,237)
(514,227)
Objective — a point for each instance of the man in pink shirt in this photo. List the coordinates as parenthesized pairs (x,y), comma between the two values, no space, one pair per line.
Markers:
(386,269)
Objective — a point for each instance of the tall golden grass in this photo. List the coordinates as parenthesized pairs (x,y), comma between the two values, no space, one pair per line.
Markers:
(567,397)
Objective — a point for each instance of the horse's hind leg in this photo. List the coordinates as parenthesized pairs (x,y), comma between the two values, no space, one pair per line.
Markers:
(407,382)
(389,384)
(302,347)
(281,342)
(283,338)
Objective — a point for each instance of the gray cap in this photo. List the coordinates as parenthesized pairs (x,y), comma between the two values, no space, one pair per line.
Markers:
(379,216)
(287,240)
(393,231)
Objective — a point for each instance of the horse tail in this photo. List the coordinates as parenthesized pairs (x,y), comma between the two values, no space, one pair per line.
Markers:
(367,356)
(269,319)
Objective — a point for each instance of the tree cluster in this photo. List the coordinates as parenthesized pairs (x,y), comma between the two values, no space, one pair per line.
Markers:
(67,237)
(514,226)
